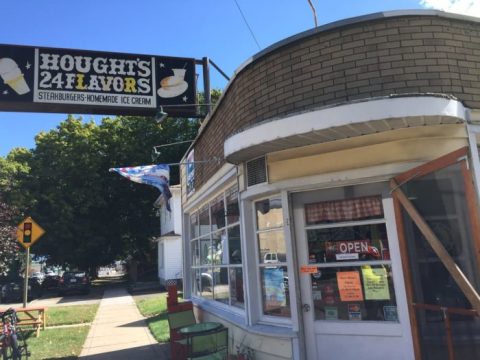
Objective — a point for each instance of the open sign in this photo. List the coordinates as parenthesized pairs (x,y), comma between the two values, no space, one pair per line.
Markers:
(352,246)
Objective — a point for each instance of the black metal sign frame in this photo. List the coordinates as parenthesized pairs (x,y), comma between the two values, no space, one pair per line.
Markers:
(37,79)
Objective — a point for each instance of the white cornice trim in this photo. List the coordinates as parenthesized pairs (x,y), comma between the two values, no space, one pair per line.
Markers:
(321,119)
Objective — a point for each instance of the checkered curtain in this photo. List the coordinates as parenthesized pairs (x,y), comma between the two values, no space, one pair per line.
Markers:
(344,210)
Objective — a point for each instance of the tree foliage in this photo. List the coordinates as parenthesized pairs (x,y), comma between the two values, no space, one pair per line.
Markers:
(9,248)
(91,216)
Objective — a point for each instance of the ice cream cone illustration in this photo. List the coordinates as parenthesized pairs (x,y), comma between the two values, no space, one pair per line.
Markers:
(12,76)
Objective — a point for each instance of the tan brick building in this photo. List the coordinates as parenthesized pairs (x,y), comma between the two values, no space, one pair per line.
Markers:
(341,218)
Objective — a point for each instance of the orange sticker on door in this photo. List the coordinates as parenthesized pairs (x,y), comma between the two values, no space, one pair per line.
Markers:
(308,269)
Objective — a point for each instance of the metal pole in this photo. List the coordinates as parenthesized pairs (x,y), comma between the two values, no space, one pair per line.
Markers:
(206,83)
(219,70)
(25,280)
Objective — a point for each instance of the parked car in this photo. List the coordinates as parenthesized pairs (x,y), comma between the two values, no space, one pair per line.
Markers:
(12,291)
(270,258)
(51,282)
(38,276)
(74,281)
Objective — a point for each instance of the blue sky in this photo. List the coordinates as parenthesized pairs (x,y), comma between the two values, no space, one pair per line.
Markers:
(183,28)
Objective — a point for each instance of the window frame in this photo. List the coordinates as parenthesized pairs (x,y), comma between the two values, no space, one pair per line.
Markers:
(267,318)
(225,196)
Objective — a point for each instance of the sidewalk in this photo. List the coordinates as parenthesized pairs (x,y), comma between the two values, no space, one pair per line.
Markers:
(120,332)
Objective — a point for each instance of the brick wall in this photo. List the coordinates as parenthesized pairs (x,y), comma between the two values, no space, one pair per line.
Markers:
(395,55)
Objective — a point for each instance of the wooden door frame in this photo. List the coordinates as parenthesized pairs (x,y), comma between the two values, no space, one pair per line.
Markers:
(401,202)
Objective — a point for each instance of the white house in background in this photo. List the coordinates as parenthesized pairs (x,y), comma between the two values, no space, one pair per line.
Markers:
(170,258)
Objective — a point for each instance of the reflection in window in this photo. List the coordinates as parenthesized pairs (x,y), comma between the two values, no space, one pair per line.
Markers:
(221,290)
(233,209)
(195,253)
(205,282)
(216,256)
(234,248)
(219,253)
(269,213)
(194,228)
(236,287)
(205,250)
(218,213)
(272,258)
(272,247)
(204,220)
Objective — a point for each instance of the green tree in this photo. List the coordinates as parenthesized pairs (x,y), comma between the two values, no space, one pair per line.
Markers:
(9,248)
(91,216)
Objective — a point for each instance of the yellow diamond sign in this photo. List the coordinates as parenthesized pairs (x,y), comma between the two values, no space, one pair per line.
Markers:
(28,232)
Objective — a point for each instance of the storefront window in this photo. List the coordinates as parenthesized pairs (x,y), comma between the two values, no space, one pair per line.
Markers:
(204,221)
(233,209)
(195,253)
(234,248)
(348,241)
(272,257)
(194,228)
(216,251)
(218,213)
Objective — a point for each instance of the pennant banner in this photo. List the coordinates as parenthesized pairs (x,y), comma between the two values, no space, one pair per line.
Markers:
(154,175)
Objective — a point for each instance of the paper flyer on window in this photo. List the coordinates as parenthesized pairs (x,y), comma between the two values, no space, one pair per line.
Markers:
(274,287)
(375,283)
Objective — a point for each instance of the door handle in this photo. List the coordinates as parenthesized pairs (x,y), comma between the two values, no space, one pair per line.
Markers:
(306,307)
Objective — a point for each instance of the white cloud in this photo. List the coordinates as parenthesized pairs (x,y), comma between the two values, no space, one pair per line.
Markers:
(465,7)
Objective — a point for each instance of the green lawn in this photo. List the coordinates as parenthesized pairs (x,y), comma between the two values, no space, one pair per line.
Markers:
(63,342)
(155,309)
(74,314)
(60,343)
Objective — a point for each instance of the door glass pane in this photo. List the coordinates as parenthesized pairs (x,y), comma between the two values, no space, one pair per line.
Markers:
(355,293)
(440,199)
(272,247)
(269,213)
(348,243)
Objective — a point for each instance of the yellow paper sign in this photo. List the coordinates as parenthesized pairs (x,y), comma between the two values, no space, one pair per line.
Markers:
(349,286)
(375,283)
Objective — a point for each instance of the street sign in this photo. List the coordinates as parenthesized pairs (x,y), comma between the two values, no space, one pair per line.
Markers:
(28,232)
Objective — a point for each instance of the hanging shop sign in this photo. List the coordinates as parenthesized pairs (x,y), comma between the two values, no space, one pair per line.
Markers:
(77,81)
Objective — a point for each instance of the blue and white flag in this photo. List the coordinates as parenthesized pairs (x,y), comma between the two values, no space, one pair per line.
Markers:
(155,175)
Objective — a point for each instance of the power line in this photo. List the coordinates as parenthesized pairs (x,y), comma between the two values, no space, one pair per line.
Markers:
(246,23)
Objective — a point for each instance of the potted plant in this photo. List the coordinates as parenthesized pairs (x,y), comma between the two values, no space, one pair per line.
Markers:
(244,352)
